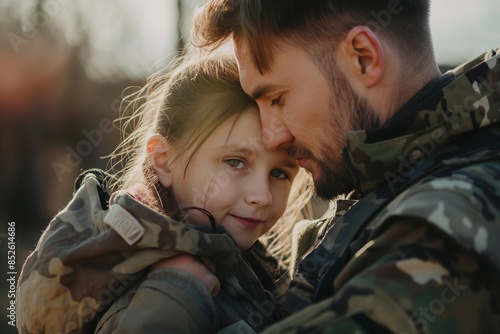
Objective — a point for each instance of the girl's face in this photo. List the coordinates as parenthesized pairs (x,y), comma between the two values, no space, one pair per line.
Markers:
(243,185)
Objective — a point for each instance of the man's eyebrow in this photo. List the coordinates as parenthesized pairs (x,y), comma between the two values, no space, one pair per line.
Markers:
(260,90)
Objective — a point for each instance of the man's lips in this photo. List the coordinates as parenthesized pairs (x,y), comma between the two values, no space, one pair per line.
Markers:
(248,222)
(302,162)
(299,153)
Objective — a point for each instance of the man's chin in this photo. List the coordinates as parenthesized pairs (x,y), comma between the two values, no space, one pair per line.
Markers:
(330,184)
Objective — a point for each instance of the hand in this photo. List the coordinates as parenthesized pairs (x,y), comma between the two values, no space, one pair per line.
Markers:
(200,268)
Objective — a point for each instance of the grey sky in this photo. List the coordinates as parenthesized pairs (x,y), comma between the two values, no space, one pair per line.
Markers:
(461,29)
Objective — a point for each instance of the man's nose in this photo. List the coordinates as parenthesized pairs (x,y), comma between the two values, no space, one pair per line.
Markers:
(274,131)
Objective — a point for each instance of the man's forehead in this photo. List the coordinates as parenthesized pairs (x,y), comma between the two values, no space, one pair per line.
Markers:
(243,54)
(258,83)
(249,75)
(266,63)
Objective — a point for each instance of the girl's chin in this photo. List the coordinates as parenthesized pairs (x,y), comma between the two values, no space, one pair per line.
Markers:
(244,245)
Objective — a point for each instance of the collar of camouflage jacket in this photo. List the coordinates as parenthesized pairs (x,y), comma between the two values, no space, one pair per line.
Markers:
(469,98)
(146,229)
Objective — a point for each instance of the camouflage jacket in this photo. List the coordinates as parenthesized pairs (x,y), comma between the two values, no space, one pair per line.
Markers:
(419,252)
(89,272)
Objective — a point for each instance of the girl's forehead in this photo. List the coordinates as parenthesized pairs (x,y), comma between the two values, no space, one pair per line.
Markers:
(243,130)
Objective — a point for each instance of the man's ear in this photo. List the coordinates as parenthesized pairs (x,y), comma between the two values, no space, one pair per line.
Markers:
(365,55)
(159,155)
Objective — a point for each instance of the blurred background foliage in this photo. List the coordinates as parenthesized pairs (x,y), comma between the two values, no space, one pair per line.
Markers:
(64,68)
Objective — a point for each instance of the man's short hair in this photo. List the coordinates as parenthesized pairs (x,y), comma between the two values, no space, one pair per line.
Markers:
(310,23)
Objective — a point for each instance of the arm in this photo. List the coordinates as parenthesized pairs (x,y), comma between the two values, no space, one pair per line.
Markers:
(201,269)
(410,279)
(168,301)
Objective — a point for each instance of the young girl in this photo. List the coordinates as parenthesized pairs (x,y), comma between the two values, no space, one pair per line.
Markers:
(197,181)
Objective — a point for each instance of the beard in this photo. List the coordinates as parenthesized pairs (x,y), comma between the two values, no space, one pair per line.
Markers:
(334,177)
(349,112)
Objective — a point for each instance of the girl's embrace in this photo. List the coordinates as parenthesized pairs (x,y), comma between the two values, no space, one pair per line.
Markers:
(196,180)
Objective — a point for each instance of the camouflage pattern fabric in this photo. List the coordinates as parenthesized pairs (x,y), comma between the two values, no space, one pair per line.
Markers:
(89,257)
(425,257)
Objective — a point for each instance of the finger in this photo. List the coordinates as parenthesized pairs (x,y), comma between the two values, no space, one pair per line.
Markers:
(215,284)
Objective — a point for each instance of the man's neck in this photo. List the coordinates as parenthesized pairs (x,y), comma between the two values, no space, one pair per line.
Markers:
(401,88)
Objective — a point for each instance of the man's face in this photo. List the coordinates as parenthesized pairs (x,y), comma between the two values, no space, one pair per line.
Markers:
(306,113)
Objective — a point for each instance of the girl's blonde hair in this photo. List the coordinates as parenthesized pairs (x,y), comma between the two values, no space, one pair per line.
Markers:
(185,105)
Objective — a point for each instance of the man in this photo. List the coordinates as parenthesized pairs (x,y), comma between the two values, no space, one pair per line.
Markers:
(352,91)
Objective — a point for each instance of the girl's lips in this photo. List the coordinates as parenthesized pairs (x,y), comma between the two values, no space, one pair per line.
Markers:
(248,222)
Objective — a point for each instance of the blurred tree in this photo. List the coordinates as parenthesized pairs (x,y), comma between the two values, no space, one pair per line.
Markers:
(64,67)
(180,21)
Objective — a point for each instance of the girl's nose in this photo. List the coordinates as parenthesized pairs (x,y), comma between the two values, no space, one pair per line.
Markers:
(258,192)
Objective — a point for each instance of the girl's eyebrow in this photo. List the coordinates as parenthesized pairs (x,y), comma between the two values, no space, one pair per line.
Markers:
(236,148)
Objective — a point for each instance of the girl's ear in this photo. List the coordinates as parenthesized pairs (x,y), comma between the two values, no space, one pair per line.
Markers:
(159,156)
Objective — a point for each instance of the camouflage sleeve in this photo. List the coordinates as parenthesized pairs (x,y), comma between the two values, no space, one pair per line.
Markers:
(409,279)
(167,301)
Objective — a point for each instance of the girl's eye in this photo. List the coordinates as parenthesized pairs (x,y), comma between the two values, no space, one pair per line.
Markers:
(235,163)
(279,174)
